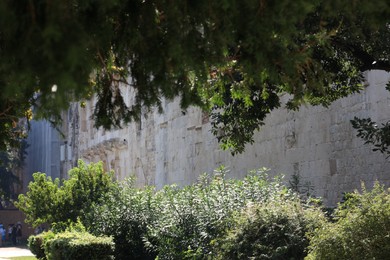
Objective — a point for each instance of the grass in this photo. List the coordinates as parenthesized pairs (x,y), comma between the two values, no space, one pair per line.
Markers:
(23,258)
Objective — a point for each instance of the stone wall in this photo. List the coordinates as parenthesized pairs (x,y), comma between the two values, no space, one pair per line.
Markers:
(316,143)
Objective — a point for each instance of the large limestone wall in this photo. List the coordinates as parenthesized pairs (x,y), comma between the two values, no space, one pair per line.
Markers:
(316,143)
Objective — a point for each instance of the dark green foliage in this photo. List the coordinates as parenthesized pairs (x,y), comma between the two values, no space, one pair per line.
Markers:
(216,218)
(191,217)
(11,160)
(78,246)
(360,231)
(49,202)
(236,118)
(36,244)
(125,216)
(272,230)
(7,178)
(372,134)
(71,243)
(199,51)
(179,223)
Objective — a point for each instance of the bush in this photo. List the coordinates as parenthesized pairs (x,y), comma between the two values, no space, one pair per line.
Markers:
(177,223)
(361,229)
(46,201)
(36,244)
(78,246)
(272,230)
(125,216)
(191,217)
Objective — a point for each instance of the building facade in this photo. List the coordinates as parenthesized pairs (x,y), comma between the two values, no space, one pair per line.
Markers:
(315,143)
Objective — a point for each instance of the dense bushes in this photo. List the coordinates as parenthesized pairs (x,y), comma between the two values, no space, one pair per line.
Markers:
(272,230)
(191,217)
(361,229)
(215,218)
(70,245)
(73,243)
(179,223)
(125,216)
(255,218)
(37,243)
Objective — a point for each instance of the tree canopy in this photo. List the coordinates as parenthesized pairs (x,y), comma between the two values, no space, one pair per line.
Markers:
(232,58)
(50,201)
(11,161)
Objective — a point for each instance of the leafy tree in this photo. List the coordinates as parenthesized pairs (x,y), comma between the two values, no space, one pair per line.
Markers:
(371,133)
(7,178)
(40,204)
(232,58)
(11,160)
(47,201)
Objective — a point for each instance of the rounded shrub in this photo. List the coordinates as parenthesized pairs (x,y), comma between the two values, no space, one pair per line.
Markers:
(36,244)
(70,245)
(361,229)
(275,229)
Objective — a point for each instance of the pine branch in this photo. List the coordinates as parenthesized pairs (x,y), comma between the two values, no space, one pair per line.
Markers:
(368,61)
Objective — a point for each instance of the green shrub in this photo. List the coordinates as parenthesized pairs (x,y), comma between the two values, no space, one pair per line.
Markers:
(47,201)
(78,246)
(36,244)
(275,229)
(193,216)
(181,223)
(361,229)
(177,223)
(125,216)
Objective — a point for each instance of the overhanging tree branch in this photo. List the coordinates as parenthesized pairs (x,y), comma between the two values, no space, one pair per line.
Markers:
(367,61)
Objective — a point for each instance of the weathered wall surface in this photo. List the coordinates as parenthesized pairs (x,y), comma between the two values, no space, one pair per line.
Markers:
(317,143)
